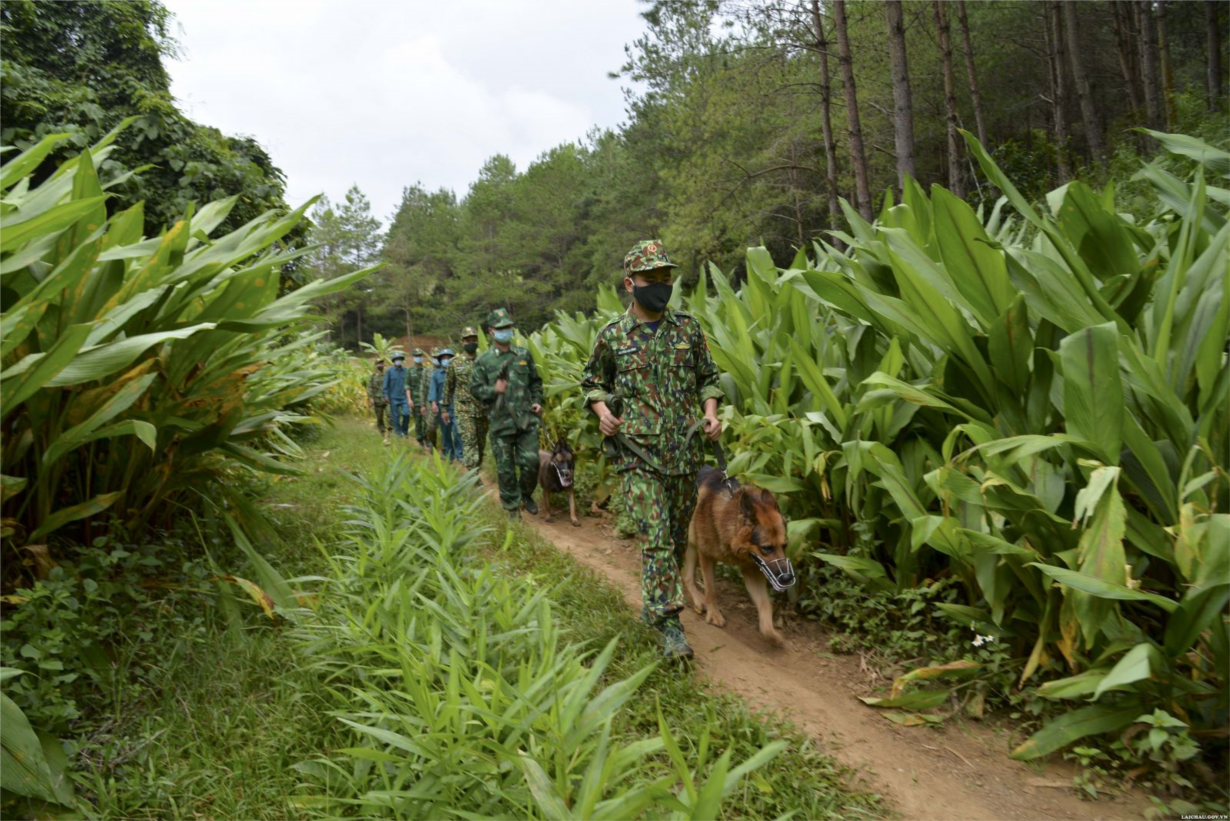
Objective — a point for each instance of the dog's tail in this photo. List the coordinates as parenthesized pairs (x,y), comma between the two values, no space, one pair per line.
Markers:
(712,480)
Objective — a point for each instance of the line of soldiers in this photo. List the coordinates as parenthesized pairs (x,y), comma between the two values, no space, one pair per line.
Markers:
(649,373)
(462,401)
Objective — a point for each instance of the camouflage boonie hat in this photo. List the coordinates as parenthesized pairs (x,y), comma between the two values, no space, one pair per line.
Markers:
(647,255)
(418,352)
(499,318)
(468,331)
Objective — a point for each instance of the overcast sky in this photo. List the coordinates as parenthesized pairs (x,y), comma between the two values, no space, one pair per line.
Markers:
(386,94)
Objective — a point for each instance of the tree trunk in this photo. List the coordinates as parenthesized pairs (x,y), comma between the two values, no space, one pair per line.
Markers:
(950,100)
(826,99)
(972,73)
(1055,49)
(1167,77)
(1148,65)
(903,104)
(1089,113)
(359,317)
(406,310)
(857,155)
(1213,80)
(1127,63)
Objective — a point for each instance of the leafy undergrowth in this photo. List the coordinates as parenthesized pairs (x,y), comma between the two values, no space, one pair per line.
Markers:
(467,670)
(801,782)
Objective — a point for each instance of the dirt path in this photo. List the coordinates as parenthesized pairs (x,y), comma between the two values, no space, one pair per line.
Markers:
(958,772)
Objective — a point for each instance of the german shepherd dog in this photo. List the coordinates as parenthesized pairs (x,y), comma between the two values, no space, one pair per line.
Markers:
(744,527)
(555,476)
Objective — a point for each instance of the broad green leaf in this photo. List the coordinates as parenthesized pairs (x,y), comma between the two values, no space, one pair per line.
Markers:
(977,269)
(1059,733)
(42,368)
(917,700)
(1133,667)
(23,766)
(1093,392)
(83,510)
(1105,590)
(1010,345)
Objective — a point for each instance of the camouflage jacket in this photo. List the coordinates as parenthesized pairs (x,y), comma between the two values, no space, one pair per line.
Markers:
(418,380)
(375,388)
(462,401)
(663,379)
(524,389)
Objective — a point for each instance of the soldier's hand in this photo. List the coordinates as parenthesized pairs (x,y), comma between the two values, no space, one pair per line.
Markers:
(435,407)
(610,424)
(536,409)
(445,417)
(501,385)
(713,428)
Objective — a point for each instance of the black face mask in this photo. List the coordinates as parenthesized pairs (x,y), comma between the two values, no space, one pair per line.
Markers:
(470,347)
(653,298)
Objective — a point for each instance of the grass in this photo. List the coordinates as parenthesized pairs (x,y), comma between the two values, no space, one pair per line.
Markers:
(221,717)
(802,781)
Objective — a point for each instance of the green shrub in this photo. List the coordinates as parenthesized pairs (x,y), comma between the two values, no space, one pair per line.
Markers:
(1032,404)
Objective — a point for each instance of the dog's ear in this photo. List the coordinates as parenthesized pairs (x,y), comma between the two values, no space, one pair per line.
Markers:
(769,500)
(746,505)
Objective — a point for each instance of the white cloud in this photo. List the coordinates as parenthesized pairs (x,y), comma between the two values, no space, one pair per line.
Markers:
(387,94)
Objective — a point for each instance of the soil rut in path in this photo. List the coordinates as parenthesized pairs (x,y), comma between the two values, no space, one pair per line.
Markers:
(957,772)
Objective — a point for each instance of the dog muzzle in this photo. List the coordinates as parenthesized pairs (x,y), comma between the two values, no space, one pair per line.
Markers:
(564,474)
(779,572)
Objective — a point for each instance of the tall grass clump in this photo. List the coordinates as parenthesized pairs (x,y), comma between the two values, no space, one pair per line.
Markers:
(1030,406)
(462,694)
(139,377)
(135,370)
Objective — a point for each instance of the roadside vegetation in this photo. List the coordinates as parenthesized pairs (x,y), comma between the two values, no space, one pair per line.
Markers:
(999,436)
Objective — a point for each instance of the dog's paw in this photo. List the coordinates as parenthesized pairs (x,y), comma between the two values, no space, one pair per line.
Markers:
(576,523)
(549,520)
(715,618)
(775,638)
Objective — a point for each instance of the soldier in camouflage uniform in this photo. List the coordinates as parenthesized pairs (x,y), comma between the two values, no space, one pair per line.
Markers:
(471,416)
(417,383)
(506,383)
(433,419)
(653,365)
(376,400)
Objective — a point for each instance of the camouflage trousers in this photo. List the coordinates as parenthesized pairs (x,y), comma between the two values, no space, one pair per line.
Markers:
(516,465)
(661,508)
(472,430)
(379,409)
(421,425)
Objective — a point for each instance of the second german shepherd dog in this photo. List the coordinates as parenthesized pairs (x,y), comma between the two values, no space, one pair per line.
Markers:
(744,527)
(555,474)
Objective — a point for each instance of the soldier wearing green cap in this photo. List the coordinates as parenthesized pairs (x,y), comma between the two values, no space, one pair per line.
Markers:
(649,375)
(377,401)
(433,417)
(506,383)
(471,416)
(417,384)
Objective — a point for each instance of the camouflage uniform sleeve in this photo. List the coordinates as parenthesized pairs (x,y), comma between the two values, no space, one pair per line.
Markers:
(535,381)
(706,372)
(450,386)
(482,387)
(384,388)
(599,374)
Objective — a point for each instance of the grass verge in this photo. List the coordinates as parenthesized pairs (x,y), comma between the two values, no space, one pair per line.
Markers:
(222,722)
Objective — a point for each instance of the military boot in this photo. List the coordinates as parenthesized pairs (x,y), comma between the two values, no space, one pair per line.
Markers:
(530,507)
(674,642)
